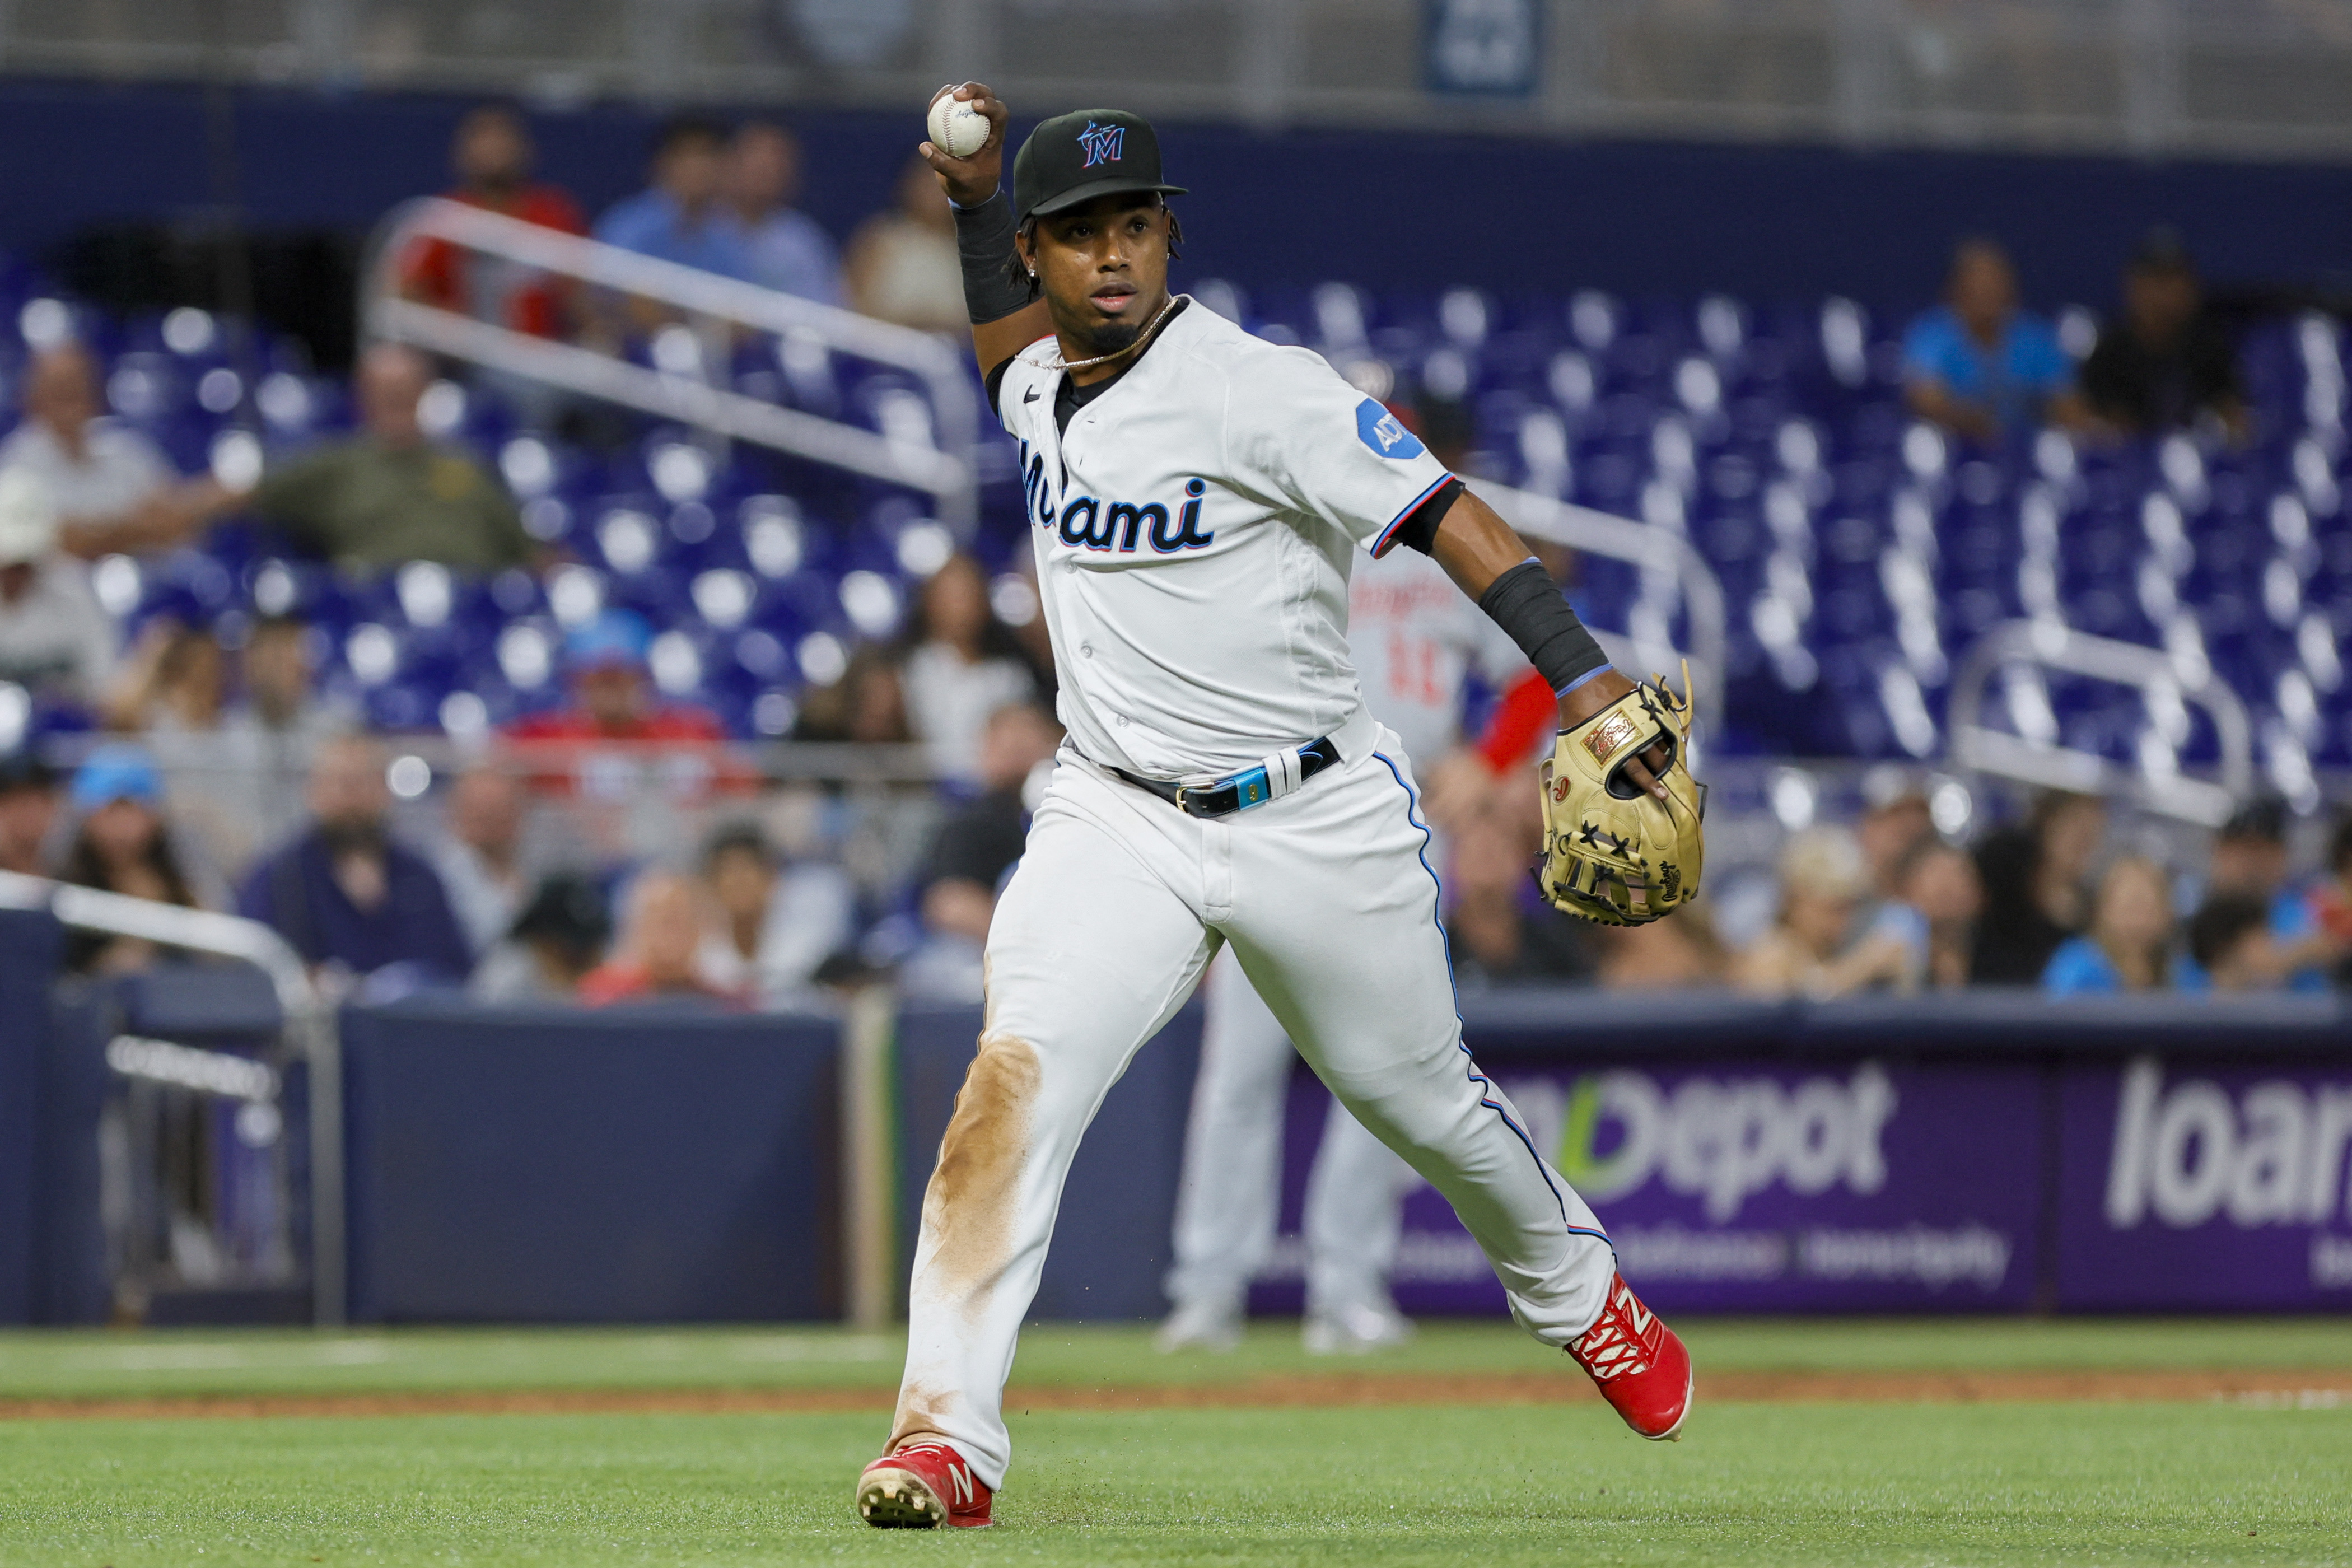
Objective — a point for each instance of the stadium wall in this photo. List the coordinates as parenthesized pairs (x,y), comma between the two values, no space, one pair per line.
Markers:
(1988,1153)
(1266,209)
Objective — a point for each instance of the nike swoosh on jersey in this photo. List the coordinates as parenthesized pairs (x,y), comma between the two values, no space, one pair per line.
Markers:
(1030,395)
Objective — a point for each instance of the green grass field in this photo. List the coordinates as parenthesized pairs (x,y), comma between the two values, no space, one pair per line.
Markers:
(2205,1481)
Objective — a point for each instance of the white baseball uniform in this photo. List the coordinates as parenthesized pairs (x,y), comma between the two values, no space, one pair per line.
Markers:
(1414,636)
(1195,526)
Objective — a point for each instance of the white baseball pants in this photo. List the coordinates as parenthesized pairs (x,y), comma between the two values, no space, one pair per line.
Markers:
(1228,1204)
(1118,904)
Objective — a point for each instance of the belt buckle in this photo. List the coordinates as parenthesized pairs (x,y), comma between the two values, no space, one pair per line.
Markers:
(1181,805)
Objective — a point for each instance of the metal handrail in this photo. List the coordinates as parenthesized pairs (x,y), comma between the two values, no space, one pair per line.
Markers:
(1601,534)
(1988,750)
(309,1023)
(948,472)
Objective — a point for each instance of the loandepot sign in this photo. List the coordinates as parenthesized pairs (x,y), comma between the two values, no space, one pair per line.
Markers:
(1891,1186)
(2269,1154)
(1724,1141)
(1749,1185)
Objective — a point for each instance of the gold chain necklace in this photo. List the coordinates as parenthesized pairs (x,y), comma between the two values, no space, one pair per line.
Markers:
(1141,338)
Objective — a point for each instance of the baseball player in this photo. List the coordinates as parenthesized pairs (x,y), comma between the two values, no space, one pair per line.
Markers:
(1413,639)
(1196,495)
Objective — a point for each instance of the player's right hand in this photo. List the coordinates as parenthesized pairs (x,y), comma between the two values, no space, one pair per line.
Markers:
(971,180)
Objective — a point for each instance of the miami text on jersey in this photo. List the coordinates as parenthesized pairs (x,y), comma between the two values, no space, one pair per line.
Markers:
(1090,522)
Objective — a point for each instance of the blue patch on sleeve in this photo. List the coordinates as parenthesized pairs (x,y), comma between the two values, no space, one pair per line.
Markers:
(1378,430)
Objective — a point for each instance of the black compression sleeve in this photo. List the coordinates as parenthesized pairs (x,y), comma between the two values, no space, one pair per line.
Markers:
(985,246)
(1526,603)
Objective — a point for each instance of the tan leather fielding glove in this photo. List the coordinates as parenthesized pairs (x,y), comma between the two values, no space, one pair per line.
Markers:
(1614,853)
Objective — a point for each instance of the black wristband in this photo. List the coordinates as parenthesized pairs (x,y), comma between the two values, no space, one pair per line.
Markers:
(1526,603)
(985,246)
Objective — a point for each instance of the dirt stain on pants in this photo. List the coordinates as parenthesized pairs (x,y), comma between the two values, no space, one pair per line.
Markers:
(971,1206)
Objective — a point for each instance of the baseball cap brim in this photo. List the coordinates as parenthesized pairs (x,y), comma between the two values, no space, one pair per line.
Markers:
(1079,195)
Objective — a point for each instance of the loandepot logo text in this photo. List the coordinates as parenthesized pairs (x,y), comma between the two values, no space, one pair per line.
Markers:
(1726,1139)
(2188,1153)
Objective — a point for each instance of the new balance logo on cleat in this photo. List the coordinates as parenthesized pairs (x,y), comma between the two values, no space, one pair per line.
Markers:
(1638,1363)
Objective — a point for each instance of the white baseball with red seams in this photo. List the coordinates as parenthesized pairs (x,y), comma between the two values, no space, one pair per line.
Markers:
(957,128)
(1195,528)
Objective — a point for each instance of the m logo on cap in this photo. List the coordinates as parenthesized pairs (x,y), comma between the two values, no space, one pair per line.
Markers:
(1102,143)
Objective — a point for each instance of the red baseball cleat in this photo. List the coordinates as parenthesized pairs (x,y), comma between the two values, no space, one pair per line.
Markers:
(1640,1363)
(922,1486)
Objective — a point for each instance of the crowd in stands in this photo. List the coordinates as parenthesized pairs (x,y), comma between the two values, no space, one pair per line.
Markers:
(291,819)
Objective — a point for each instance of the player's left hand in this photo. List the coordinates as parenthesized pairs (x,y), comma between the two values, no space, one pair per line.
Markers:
(1623,842)
(1603,691)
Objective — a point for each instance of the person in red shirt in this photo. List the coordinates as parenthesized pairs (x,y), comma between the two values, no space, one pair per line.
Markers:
(492,156)
(656,958)
(570,749)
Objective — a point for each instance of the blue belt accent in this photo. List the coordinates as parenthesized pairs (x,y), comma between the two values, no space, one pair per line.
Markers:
(1235,792)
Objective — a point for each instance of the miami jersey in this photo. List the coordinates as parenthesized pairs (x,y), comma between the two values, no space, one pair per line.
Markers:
(1194,529)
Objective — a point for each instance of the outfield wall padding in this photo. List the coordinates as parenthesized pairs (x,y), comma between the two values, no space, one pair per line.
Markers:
(632,1165)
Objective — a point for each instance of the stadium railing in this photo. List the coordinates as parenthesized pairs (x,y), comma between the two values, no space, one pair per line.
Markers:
(1655,550)
(942,467)
(2051,646)
(308,1034)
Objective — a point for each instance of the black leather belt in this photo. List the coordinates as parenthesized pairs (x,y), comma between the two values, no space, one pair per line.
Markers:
(1269,781)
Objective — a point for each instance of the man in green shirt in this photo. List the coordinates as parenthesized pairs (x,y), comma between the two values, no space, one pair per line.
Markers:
(388,494)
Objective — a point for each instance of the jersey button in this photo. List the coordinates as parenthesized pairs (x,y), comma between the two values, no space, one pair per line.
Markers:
(1087,650)
(1122,720)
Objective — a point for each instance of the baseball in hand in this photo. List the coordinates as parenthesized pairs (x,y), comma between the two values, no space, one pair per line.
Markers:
(957,128)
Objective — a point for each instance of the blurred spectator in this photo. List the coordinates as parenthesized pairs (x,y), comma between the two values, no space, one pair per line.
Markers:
(55,640)
(235,772)
(173,682)
(1894,823)
(1674,954)
(2034,874)
(786,249)
(276,700)
(112,487)
(682,214)
(776,923)
(656,960)
(964,666)
(1811,949)
(867,704)
(28,813)
(2164,364)
(554,942)
(2129,944)
(1941,885)
(2249,861)
(1498,931)
(388,495)
(1977,364)
(121,845)
(978,844)
(2331,900)
(492,156)
(480,855)
(345,895)
(611,691)
(902,263)
(2230,944)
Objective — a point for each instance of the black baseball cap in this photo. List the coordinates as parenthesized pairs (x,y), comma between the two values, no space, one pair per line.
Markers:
(1073,158)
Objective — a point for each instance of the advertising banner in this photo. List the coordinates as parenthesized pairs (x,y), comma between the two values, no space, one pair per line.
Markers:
(1749,1187)
(2184,1187)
